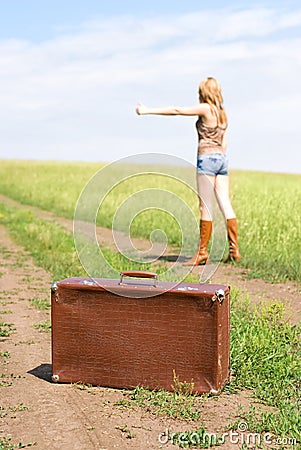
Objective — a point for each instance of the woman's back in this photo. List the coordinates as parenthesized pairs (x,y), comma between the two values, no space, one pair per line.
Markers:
(210,132)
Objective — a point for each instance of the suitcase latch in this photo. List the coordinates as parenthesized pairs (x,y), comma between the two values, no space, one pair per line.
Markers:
(219,296)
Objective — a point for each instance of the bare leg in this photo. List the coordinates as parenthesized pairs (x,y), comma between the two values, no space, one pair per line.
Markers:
(222,196)
(206,185)
(224,202)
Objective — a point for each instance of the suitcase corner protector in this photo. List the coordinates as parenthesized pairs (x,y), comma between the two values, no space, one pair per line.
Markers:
(214,392)
(55,378)
(219,296)
(54,287)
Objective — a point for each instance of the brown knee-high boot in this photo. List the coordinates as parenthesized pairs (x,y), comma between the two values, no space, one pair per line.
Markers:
(234,254)
(202,256)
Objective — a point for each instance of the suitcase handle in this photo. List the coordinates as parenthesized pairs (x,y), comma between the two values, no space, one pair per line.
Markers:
(138,274)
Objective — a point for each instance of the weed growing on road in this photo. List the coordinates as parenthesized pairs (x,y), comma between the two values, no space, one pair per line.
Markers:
(125,429)
(5,329)
(5,253)
(85,387)
(6,379)
(12,410)
(40,303)
(24,343)
(43,327)
(171,404)
(6,444)
(5,356)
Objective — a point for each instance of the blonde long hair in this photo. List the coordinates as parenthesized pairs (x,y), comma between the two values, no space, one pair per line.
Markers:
(210,92)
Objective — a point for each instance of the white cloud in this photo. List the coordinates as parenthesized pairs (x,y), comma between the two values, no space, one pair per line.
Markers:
(74,96)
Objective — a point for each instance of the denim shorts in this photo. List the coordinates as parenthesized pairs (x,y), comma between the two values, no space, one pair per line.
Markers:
(212,164)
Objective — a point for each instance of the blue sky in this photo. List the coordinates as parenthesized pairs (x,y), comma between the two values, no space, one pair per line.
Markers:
(72,72)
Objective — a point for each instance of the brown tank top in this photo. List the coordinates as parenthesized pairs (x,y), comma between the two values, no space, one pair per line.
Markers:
(210,138)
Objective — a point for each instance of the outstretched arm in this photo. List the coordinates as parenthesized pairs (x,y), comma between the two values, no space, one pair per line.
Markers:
(197,110)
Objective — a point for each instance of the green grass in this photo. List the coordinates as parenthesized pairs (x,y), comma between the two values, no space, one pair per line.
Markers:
(49,245)
(171,404)
(180,403)
(40,303)
(266,358)
(53,248)
(5,329)
(126,431)
(43,327)
(268,208)
(7,444)
(6,379)
(11,410)
(48,185)
(269,234)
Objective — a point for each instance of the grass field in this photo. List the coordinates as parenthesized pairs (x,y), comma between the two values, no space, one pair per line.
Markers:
(267,206)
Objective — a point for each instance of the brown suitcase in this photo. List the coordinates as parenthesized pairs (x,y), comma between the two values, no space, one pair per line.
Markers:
(129,332)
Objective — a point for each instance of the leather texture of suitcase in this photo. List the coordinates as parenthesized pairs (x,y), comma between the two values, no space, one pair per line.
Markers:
(129,332)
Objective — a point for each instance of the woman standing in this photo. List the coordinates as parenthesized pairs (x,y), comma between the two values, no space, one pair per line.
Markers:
(212,164)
